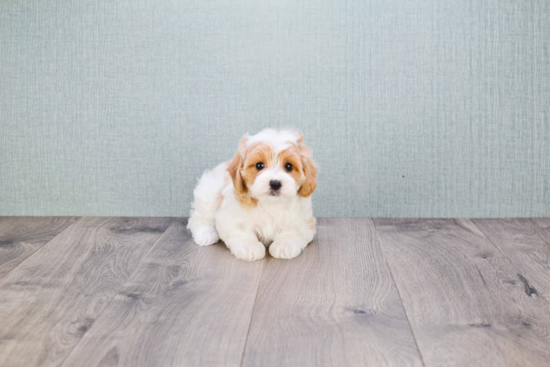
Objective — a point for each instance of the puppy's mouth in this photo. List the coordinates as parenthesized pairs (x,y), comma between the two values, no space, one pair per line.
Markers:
(274,193)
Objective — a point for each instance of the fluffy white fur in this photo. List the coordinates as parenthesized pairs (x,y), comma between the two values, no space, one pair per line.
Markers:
(282,220)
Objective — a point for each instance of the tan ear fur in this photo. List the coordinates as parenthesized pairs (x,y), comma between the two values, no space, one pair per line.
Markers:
(299,136)
(235,171)
(236,165)
(310,171)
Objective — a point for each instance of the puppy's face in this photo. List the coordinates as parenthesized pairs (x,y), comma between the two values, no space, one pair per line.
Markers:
(272,165)
(273,173)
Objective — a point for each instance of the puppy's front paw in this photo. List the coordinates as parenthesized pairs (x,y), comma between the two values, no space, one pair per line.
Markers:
(205,236)
(248,250)
(287,248)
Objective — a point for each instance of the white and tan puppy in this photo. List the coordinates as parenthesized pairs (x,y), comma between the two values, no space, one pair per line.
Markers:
(260,198)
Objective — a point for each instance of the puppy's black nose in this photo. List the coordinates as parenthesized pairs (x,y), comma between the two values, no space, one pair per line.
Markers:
(275,185)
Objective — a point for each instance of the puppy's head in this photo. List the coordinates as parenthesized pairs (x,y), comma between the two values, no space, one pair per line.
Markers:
(272,165)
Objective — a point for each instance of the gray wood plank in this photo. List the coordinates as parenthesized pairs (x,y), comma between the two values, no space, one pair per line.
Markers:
(334,305)
(526,242)
(20,237)
(185,306)
(49,301)
(466,303)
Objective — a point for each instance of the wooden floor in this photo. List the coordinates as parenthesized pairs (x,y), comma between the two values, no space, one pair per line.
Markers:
(384,292)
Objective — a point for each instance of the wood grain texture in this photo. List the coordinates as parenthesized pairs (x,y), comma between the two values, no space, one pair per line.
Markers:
(49,302)
(185,306)
(334,305)
(20,237)
(466,302)
(526,242)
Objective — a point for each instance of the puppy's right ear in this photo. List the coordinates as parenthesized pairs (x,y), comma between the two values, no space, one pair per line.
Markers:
(236,166)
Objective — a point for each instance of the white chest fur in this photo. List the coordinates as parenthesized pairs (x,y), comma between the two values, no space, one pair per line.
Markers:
(266,220)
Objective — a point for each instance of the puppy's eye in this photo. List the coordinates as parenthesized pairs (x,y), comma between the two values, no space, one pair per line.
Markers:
(288,167)
(260,166)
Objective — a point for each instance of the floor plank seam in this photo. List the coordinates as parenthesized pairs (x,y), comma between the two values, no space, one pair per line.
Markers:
(517,268)
(398,292)
(252,313)
(115,293)
(125,292)
(41,247)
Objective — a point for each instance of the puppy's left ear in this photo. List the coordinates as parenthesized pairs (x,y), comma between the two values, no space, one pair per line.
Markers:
(310,171)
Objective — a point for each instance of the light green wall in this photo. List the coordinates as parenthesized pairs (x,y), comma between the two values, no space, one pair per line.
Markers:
(413,108)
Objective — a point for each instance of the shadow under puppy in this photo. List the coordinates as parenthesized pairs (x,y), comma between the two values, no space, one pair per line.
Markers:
(260,198)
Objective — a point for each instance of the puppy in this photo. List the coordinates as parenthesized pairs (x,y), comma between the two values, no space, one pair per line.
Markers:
(260,198)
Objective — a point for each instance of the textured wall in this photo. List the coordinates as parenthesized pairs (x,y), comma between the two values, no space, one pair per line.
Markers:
(413,108)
